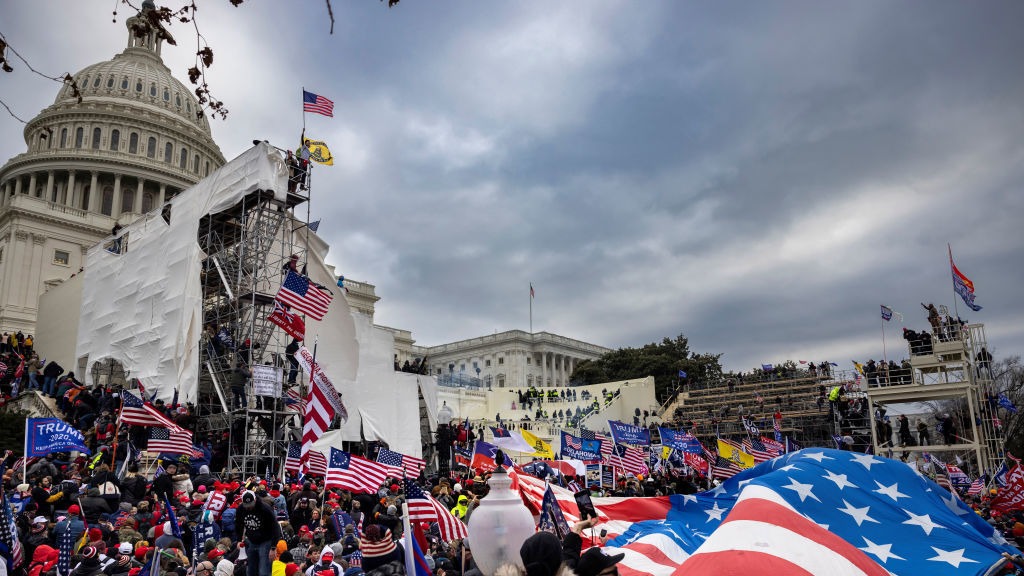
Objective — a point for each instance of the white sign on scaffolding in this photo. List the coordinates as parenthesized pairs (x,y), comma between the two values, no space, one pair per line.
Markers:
(266,380)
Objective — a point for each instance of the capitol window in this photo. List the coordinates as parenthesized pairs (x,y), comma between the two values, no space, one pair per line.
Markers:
(177,100)
(96,135)
(501,361)
(151,147)
(487,363)
(138,85)
(152,89)
(206,172)
(115,139)
(183,159)
(168,152)
(167,95)
(195,164)
(124,83)
(133,143)
(110,82)
(61,258)
(63,137)
(96,82)
(79,137)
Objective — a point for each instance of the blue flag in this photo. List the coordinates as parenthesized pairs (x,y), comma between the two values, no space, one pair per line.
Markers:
(680,440)
(48,435)
(682,373)
(767,367)
(624,433)
(172,518)
(551,517)
(1007,404)
(579,449)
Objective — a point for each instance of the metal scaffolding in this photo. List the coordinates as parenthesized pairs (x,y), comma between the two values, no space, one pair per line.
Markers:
(247,248)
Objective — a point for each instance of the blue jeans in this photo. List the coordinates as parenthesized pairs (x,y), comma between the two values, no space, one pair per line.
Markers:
(33,384)
(49,385)
(257,558)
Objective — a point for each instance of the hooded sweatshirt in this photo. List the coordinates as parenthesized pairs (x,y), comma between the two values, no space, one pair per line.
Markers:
(325,565)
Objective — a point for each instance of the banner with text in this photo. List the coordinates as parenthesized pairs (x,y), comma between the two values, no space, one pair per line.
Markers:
(579,449)
(319,377)
(48,435)
(624,433)
(680,440)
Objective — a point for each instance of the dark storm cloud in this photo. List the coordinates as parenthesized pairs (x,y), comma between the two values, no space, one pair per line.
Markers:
(759,177)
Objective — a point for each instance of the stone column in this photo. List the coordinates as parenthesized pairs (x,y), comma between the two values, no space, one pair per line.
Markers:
(543,369)
(69,195)
(116,208)
(162,196)
(137,207)
(95,196)
(48,194)
(17,185)
(35,271)
(32,184)
(19,253)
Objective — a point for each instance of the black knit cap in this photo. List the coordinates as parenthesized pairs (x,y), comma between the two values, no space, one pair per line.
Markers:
(541,554)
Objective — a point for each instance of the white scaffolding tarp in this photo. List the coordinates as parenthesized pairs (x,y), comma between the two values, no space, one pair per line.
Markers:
(142,306)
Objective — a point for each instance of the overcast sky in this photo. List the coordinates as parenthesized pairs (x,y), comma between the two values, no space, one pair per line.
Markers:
(757,176)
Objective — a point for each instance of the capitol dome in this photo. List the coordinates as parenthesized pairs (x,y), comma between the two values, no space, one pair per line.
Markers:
(130,139)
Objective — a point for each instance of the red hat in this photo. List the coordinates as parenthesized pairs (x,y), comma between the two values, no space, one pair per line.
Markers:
(275,493)
(74,510)
(394,487)
(304,530)
(292,568)
(201,489)
(214,554)
(140,552)
(95,534)
(134,571)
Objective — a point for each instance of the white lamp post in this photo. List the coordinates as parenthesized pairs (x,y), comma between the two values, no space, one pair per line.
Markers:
(499,525)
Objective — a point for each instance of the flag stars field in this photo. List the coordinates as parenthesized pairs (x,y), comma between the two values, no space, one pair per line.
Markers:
(924,521)
(839,479)
(954,557)
(880,551)
(890,491)
(859,515)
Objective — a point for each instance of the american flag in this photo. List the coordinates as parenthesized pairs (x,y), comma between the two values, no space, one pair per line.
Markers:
(721,468)
(400,465)
(354,473)
(294,401)
(319,413)
(317,104)
(758,450)
(775,445)
(172,441)
(9,532)
(976,487)
(317,461)
(901,521)
(423,508)
(629,459)
(302,295)
(138,413)
(65,548)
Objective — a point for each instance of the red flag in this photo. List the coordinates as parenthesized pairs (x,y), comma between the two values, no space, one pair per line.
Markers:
(1012,496)
(291,323)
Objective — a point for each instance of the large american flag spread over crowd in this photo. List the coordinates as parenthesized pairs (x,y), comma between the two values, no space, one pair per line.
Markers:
(863,514)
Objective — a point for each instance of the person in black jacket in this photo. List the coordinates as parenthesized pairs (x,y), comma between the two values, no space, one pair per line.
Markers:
(163,485)
(258,523)
(50,374)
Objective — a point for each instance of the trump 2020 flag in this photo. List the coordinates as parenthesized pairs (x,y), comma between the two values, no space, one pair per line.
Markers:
(48,435)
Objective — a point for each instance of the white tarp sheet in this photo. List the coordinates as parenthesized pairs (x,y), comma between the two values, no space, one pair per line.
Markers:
(142,307)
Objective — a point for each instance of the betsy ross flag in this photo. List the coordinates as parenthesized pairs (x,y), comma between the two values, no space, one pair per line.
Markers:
(962,285)
(354,473)
(629,459)
(138,413)
(291,323)
(304,296)
(400,465)
(171,441)
(423,508)
(317,461)
(317,104)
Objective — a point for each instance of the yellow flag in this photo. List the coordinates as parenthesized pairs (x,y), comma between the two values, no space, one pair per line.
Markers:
(666,451)
(541,448)
(741,458)
(319,152)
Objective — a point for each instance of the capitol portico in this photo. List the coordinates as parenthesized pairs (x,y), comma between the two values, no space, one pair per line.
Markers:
(132,138)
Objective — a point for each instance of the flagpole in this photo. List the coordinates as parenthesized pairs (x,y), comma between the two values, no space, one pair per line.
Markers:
(24,459)
(531,307)
(885,356)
